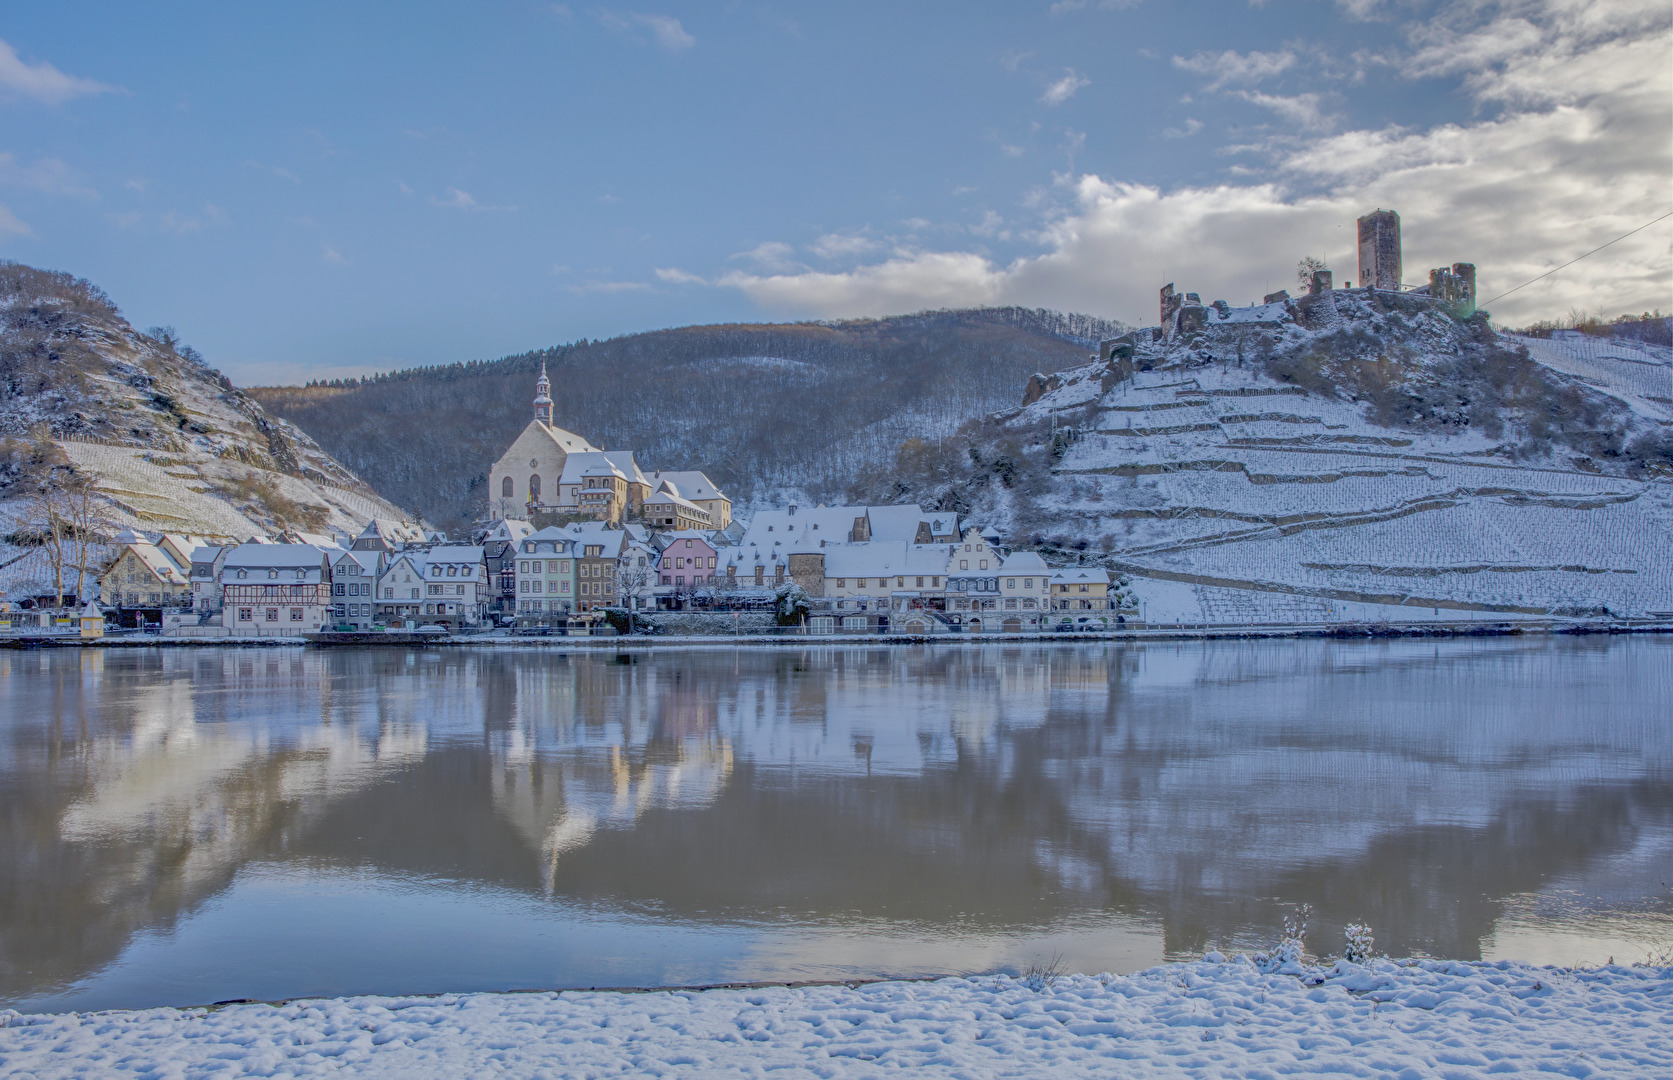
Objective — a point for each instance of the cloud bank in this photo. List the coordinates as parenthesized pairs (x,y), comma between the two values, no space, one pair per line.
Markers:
(1576,153)
(42,82)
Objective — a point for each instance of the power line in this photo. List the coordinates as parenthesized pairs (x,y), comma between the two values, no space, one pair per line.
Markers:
(1576,259)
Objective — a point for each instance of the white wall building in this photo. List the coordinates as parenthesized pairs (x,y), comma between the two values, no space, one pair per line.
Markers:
(274,590)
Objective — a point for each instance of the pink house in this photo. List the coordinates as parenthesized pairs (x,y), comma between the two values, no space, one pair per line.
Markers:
(687,559)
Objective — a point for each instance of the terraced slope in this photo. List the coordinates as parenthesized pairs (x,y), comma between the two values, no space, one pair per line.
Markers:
(1370,450)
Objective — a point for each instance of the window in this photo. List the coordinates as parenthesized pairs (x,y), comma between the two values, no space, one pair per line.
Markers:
(436,590)
(1083,588)
(1010,583)
(414,595)
(272,574)
(859,583)
(964,564)
(984,565)
(246,614)
(842,583)
(389,594)
(1028,583)
(242,574)
(272,614)
(339,590)
(295,614)
(935,581)
(301,575)
(920,583)
(552,566)
(505,488)
(453,571)
(534,488)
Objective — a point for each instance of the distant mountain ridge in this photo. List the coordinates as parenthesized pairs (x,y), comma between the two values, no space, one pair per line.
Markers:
(770,411)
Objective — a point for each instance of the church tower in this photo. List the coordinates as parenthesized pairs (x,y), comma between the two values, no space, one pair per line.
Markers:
(543,398)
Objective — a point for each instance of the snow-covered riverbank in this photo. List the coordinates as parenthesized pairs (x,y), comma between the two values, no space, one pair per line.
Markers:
(1206,1018)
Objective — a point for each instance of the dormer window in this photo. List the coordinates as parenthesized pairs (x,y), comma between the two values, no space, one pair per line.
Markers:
(301,575)
(242,574)
(272,574)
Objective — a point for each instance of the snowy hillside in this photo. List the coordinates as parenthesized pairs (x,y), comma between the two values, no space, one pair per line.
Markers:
(1351,449)
(774,413)
(167,442)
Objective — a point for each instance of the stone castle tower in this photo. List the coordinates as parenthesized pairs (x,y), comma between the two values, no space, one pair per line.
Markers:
(1379,250)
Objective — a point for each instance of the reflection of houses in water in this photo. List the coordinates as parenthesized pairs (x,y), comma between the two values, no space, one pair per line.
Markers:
(564,771)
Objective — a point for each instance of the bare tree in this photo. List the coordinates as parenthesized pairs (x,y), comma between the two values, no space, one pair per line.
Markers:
(87,520)
(50,518)
(632,578)
(1305,269)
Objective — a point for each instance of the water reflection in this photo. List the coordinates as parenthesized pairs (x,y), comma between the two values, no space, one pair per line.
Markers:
(343,821)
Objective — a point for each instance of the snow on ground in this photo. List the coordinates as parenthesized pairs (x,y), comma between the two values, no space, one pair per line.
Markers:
(1202,1019)
(1636,372)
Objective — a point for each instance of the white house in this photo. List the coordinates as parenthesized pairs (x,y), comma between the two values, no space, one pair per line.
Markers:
(354,583)
(274,590)
(446,585)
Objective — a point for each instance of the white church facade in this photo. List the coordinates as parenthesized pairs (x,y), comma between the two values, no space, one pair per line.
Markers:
(549,470)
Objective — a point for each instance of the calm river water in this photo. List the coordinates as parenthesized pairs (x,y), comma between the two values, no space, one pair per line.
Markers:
(186,826)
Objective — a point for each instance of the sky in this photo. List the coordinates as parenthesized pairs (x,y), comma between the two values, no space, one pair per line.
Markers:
(319,190)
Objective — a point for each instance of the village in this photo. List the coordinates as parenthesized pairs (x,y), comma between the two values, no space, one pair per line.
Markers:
(580,541)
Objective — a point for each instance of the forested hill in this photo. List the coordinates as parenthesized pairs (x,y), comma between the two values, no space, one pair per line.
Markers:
(769,411)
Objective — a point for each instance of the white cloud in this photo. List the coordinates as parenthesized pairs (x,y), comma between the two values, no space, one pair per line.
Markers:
(844,246)
(1232,66)
(1010,151)
(458,199)
(771,255)
(46,174)
(610,287)
(1065,88)
(9,223)
(42,82)
(182,223)
(331,257)
(665,30)
(675,276)
(1184,131)
(1518,194)
(1301,110)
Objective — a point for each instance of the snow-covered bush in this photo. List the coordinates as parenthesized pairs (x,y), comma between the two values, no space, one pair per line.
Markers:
(792,604)
(1360,946)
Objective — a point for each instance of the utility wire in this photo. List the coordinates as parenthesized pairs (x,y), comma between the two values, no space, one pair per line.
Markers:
(1572,261)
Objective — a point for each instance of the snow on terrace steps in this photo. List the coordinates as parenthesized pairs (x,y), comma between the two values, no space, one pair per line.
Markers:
(1201,1019)
(1216,476)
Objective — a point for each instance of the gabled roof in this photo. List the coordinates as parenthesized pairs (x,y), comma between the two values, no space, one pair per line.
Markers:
(158,561)
(692,483)
(366,560)
(567,441)
(509,529)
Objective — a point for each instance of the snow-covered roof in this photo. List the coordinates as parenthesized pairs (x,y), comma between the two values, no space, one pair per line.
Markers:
(274,556)
(692,483)
(567,441)
(1024,562)
(884,558)
(509,529)
(366,560)
(156,560)
(618,463)
(1080,574)
(669,539)
(555,535)
(453,553)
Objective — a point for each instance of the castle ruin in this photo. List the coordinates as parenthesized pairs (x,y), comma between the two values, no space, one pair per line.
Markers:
(1380,268)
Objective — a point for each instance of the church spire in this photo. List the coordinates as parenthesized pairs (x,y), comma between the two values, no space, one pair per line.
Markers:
(543,397)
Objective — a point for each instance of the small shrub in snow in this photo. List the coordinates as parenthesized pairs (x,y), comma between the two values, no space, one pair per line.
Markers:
(1360,945)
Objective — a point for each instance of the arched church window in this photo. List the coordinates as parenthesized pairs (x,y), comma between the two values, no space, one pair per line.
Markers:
(534,488)
(505,487)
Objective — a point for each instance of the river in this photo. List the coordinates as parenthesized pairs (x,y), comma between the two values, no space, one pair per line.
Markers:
(183,826)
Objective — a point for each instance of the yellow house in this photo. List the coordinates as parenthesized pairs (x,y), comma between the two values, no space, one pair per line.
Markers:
(145,575)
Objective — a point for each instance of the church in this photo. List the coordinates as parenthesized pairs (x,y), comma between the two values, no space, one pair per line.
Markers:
(548,470)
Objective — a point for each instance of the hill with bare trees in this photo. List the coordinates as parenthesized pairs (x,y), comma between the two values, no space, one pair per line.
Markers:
(771,412)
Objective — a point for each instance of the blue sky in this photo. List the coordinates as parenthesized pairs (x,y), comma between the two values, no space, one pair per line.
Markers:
(314,190)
